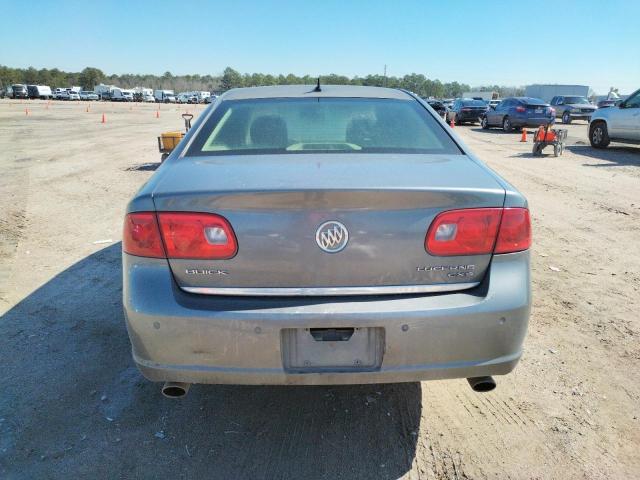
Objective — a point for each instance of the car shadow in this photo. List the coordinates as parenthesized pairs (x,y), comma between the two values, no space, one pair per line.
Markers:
(614,155)
(144,167)
(499,131)
(73,404)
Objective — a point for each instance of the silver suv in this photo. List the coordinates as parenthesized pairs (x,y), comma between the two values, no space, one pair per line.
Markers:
(619,123)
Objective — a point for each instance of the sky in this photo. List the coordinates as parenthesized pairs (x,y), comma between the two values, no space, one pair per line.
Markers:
(511,43)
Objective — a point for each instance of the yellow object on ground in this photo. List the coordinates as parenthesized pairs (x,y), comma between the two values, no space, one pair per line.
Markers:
(170,140)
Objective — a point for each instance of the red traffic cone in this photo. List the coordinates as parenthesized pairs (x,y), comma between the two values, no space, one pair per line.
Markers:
(104,120)
(452,124)
(524,135)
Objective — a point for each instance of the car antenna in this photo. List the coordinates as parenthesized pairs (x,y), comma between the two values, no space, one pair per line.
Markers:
(317,89)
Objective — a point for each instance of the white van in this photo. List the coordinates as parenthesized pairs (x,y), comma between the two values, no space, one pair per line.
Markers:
(121,95)
(203,97)
(164,96)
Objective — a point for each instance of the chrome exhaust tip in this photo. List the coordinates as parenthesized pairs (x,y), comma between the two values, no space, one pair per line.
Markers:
(482,384)
(175,389)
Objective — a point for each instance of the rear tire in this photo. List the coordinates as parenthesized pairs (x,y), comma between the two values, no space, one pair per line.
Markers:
(599,135)
(484,123)
(566,118)
(537,149)
(507,127)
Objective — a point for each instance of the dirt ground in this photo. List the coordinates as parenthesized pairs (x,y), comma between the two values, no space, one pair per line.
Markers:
(74,406)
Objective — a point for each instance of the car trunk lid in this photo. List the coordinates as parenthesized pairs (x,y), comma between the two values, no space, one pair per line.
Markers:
(276,204)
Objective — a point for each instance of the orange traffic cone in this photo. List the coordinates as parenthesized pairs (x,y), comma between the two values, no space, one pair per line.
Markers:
(524,135)
(452,124)
(104,120)
(157,113)
(87,109)
(26,111)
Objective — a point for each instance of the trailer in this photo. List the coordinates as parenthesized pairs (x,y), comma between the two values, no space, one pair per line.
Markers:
(547,92)
(41,92)
(104,91)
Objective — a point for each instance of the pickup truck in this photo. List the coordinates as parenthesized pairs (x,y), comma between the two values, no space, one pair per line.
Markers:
(570,108)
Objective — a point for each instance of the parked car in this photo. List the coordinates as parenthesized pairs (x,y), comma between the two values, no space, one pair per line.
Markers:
(243,265)
(186,97)
(608,103)
(466,110)
(493,103)
(147,97)
(210,99)
(121,95)
(88,95)
(41,92)
(19,91)
(164,96)
(518,112)
(61,94)
(438,107)
(572,108)
(202,96)
(620,123)
(73,95)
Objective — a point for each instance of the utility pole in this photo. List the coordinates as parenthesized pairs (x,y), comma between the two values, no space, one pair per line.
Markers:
(385,75)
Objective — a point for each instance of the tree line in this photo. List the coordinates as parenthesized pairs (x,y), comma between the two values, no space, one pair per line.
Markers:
(230,78)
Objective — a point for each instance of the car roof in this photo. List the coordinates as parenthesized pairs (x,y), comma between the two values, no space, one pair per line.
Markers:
(303,91)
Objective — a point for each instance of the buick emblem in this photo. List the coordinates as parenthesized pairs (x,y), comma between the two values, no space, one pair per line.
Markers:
(332,236)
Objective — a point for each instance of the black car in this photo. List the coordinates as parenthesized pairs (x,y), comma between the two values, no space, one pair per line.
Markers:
(466,110)
(438,107)
(19,91)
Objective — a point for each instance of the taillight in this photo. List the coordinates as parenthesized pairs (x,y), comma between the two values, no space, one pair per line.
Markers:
(464,232)
(521,109)
(515,231)
(197,235)
(141,236)
(479,231)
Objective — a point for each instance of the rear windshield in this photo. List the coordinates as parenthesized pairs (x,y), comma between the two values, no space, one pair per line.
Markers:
(473,103)
(533,101)
(334,125)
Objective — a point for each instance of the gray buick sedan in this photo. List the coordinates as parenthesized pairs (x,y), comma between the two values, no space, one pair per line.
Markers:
(303,235)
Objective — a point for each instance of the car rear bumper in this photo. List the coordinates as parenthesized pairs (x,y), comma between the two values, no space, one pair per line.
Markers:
(177,336)
(531,122)
(470,117)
